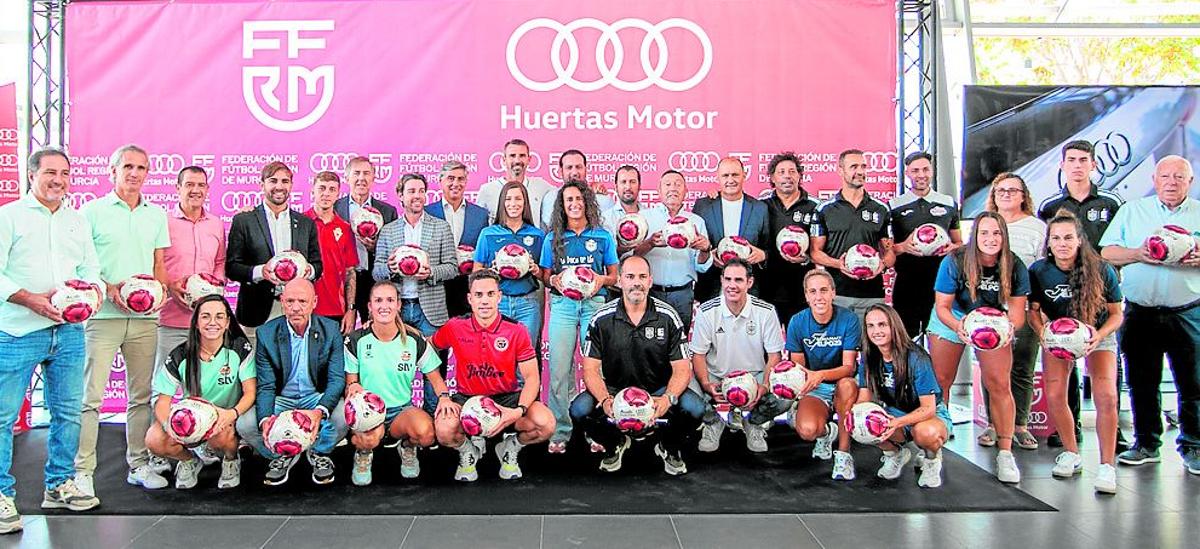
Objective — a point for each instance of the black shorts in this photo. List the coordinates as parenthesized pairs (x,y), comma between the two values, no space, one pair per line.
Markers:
(507,400)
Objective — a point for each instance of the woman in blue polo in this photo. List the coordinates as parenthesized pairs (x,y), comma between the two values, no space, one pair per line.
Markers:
(899,375)
(514,225)
(577,237)
(1073,282)
(984,273)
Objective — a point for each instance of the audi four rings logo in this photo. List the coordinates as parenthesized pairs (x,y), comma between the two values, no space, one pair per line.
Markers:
(8,134)
(333,162)
(496,162)
(1113,153)
(694,161)
(166,164)
(9,186)
(8,161)
(882,161)
(609,72)
(234,201)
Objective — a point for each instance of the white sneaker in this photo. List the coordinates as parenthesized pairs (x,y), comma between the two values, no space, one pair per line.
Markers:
(843,466)
(144,477)
(1006,467)
(410,466)
(361,475)
(1106,479)
(931,471)
(1067,465)
(823,448)
(187,473)
(468,457)
(85,483)
(756,438)
(507,451)
(160,465)
(231,473)
(710,436)
(10,519)
(894,462)
(206,455)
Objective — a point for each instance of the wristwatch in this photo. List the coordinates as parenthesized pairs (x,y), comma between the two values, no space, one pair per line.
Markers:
(671,398)
(524,409)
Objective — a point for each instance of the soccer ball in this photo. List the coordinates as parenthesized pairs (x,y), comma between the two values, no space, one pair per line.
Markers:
(1066,338)
(367,222)
(929,239)
(788,379)
(466,259)
(988,328)
(365,411)
(512,262)
(633,410)
(408,260)
(792,241)
(1170,244)
(479,415)
(77,300)
(191,421)
(287,265)
(578,282)
(739,388)
(866,423)
(863,262)
(679,232)
(199,285)
(291,433)
(632,229)
(142,294)
(733,246)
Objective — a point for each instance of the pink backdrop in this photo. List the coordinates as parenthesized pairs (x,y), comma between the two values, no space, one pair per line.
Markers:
(10,180)
(676,85)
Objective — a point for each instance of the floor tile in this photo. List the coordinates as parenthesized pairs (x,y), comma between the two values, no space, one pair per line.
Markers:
(33,534)
(93,531)
(225,532)
(858,531)
(1009,530)
(347,532)
(447,532)
(1163,529)
(724,531)
(645,532)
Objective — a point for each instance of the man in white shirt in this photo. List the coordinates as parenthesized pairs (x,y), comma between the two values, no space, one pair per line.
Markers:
(737,331)
(629,188)
(516,161)
(675,270)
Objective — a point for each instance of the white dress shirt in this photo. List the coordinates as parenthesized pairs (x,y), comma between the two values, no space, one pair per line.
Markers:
(456,219)
(412,237)
(280,227)
(731,216)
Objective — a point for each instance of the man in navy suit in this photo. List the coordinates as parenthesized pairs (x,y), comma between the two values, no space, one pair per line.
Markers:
(299,365)
(732,213)
(360,173)
(256,236)
(466,221)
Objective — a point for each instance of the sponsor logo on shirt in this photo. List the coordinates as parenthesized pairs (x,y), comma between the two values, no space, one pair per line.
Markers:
(889,379)
(989,284)
(483,371)
(1062,291)
(225,376)
(821,339)
(938,211)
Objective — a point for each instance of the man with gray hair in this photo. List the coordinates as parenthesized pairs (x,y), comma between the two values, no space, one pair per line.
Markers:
(131,237)
(43,243)
(466,221)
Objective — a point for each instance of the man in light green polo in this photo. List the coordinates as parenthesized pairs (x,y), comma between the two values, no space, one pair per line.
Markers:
(131,236)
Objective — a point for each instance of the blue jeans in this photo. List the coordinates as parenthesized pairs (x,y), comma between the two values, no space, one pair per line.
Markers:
(683,419)
(527,310)
(60,351)
(568,326)
(412,315)
(333,428)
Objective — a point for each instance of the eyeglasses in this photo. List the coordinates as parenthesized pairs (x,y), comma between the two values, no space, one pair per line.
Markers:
(1009,192)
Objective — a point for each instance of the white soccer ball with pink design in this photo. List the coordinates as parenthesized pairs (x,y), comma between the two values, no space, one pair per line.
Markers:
(199,285)
(367,222)
(929,239)
(792,242)
(77,300)
(142,294)
(579,282)
(632,229)
(512,262)
(679,232)
(863,262)
(408,260)
(287,266)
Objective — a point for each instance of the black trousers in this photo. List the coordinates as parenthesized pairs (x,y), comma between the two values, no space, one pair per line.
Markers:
(1148,334)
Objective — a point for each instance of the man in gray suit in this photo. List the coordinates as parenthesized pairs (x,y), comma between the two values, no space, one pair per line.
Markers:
(423,296)
(360,174)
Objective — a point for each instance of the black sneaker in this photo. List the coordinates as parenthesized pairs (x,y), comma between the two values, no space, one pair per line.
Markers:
(612,462)
(672,462)
(278,469)
(1054,441)
(322,468)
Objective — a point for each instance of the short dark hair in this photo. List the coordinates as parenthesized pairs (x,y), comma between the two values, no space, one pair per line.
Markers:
(842,155)
(35,159)
(1079,145)
(327,176)
(915,156)
(628,258)
(517,142)
(672,172)
(187,170)
(409,177)
(632,168)
(785,156)
(485,274)
(738,262)
(275,166)
(569,152)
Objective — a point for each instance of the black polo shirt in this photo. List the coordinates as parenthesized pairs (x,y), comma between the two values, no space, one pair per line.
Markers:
(1095,212)
(779,279)
(636,356)
(843,225)
(910,211)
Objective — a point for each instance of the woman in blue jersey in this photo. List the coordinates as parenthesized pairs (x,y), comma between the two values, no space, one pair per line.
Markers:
(985,273)
(824,339)
(577,237)
(520,299)
(899,374)
(1073,282)
(216,363)
(383,358)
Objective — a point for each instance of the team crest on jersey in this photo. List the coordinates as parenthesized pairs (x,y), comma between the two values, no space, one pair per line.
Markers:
(1104,214)
(406,356)
(938,211)
(866,216)
(751,328)
(500,344)
(225,377)
(649,332)
(1093,215)
(590,245)
(226,370)
(528,240)
(797,216)
(337,233)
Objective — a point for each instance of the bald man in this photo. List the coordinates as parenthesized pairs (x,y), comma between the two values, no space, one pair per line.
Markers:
(298,338)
